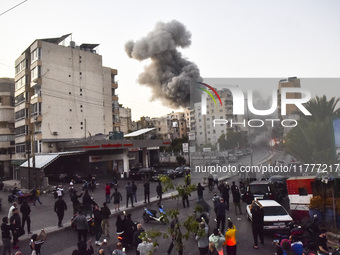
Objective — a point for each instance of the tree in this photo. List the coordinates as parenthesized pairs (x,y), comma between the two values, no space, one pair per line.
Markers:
(190,225)
(311,140)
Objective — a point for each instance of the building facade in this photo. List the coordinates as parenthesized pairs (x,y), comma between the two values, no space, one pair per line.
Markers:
(7,140)
(61,93)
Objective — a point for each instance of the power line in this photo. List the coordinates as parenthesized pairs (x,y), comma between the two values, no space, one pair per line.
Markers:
(13,7)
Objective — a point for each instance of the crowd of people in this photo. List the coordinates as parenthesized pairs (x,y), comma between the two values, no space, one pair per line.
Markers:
(222,237)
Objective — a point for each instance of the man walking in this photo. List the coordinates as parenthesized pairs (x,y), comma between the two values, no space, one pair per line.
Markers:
(146,191)
(105,219)
(134,191)
(200,190)
(36,196)
(117,197)
(25,210)
(128,189)
(60,207)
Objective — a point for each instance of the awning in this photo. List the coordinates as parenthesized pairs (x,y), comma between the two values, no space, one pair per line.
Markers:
(139,132)
(43,160)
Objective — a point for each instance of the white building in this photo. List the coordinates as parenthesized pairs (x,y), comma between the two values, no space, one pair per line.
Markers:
(62,92)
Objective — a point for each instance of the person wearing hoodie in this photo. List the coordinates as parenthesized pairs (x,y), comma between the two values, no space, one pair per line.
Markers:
(202,240)
(218,239)
(230,239)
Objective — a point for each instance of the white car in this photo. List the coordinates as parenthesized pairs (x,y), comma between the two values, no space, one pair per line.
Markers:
(275,215)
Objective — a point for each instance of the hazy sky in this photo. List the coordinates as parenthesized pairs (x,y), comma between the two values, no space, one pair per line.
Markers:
(229,38)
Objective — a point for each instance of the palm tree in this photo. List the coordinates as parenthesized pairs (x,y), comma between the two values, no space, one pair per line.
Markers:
(311,140)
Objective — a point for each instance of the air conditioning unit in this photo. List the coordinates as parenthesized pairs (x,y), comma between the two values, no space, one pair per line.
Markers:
(55,133)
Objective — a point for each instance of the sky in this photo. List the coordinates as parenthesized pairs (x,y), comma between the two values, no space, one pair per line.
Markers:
(261,38)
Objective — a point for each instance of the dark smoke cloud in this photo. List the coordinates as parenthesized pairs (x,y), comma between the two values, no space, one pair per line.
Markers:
(169,74)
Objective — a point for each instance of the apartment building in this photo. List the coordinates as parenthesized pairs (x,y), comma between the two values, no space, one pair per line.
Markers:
(62,92)
(7,149)
(202,124)
(126,124)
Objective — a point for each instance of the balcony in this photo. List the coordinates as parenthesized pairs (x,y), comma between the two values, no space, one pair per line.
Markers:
(114,85)
(36,81)
(36,118)
(115,98)
(36,98)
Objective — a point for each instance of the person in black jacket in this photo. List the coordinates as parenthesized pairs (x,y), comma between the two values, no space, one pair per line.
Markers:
(60,207)
(15,221)
(159,191)
(75,202)
(146,191)
(25,209)
(134,191)
(257,222)
(117,198)
(97,224)
(137,240)
(6,236)
(87,203)
(237,200)
(200,190)
(105,219)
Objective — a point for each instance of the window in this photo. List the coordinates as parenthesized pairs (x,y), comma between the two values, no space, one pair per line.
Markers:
(21,66)
(20,148)
(21,130)
(35,55)
(36,109)
(21,82)
(20,114)
(20,98)
(35,72)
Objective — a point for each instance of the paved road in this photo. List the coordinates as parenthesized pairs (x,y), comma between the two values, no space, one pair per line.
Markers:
(43,216)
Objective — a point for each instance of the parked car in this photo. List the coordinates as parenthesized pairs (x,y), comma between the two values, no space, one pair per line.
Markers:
(275,215)
(141,173)
(180,171)
(168,172)
(264,189)
(239,154)
(232,158)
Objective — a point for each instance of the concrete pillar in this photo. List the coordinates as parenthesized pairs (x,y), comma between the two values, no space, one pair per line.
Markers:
(145,158)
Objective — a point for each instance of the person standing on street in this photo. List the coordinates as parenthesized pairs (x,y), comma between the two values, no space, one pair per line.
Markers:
(105,219)
(107,193)
(215,176)
(257,213)
(117,197)
(146,191)
(25,210)
(216,201)
(218,239)
(37,241)
(210,182)
(10,211)
(159,191)
(237,200)
(129,196)
(200,190)
(15,221)
(87,203)
(233,187)
(60,207)
(136,239)
(225,195)
(230,239)
(6,236)
(98,231)
(75,202)
(134,191)
(220,215)
(203,241)
(82,226)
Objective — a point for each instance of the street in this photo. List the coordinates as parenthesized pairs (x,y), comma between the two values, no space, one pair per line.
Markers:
(63,241)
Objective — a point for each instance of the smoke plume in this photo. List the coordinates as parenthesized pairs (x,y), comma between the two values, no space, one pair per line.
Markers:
(169,74)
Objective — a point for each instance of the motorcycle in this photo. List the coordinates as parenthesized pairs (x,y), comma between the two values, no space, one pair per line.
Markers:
(150,214)
(126,235)
(114,183)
